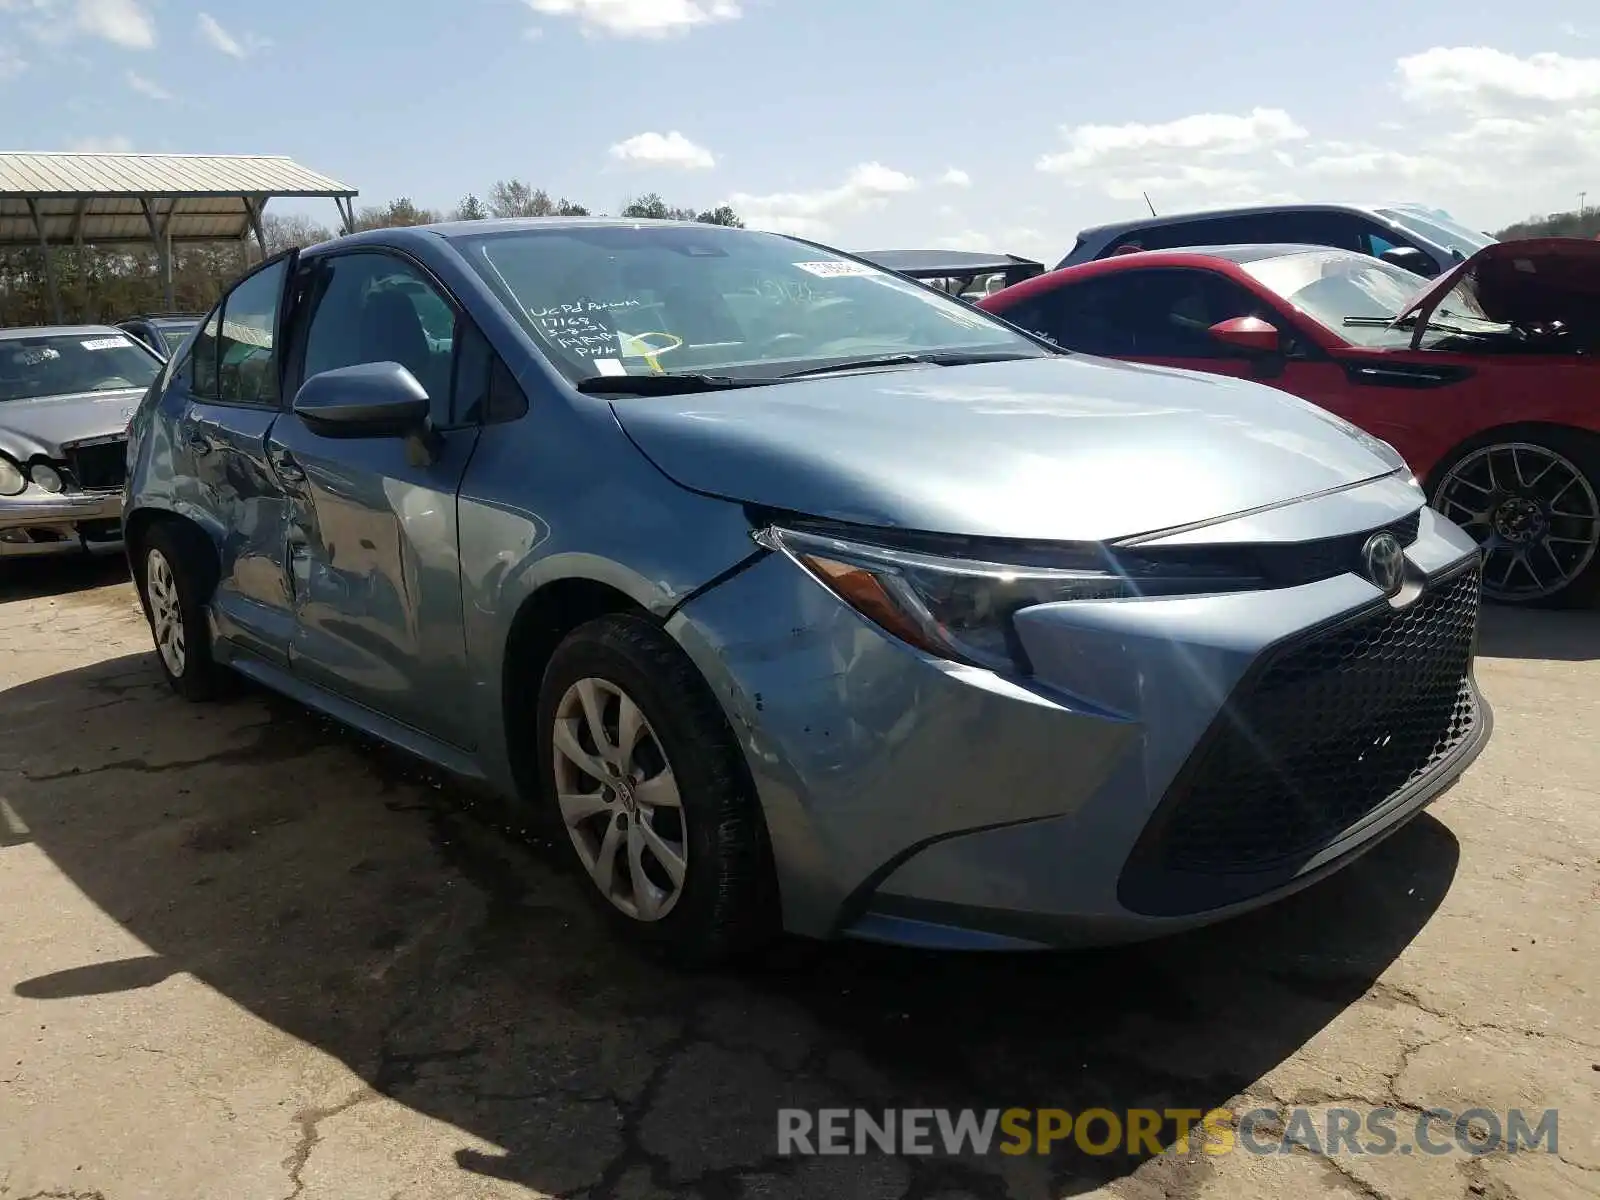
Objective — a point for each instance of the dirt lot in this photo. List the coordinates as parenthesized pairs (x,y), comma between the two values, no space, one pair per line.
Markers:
(245,956)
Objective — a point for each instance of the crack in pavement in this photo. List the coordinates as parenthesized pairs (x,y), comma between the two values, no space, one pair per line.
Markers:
(310,1121)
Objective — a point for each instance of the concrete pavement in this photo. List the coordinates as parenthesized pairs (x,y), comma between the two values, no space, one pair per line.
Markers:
(245,955)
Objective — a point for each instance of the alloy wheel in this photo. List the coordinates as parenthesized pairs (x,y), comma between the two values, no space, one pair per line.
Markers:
(619,799)
(166,611)
(1532,510)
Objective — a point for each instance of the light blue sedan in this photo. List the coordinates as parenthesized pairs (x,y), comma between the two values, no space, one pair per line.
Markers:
(793,594)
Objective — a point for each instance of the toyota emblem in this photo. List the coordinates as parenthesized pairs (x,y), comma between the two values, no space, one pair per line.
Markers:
(1385,562)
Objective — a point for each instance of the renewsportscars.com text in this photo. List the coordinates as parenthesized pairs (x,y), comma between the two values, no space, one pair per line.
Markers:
(1102,1131)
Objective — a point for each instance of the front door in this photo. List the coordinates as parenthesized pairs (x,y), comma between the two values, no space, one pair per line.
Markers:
(374,556)
(230,381)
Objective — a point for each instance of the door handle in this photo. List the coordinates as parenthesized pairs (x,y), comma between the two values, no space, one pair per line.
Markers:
(283,464)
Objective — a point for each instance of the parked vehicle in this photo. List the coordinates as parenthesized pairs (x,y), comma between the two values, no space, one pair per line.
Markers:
(162,332)
(66,395)
(966,274)
(1485,380)
(1423,240)
(793,594)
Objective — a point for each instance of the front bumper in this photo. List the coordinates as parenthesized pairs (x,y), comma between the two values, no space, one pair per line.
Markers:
(39,523)
(918,801)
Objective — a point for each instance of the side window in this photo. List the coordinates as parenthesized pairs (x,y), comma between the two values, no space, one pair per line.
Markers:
(1171,313)
(201,368)
(247,366)
(485,390)
(1145,314)
(373,307)
(1089,317)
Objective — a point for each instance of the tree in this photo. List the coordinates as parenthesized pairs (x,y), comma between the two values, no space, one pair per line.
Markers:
(566,208)
(298,231)
(1585,224)
(470,209)
(396,213)
(515,198)
(721,215)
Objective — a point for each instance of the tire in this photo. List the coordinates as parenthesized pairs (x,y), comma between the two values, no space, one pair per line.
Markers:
(176,577)
(1532,492)
(722,901)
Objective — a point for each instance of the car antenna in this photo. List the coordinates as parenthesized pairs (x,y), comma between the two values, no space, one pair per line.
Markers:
(1147,202)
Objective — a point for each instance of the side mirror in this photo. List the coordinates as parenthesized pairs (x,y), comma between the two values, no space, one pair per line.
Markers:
(1411,259)
(1249,334)
(380,399)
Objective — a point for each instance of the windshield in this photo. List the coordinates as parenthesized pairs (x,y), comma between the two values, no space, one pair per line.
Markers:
(1335,285)
(61,364)
(1439,229)
(630,300)
(173,335)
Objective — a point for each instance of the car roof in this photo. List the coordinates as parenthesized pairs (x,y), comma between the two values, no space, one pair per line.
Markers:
(162,318)
(57,331)
(1253,210)
(1241,253)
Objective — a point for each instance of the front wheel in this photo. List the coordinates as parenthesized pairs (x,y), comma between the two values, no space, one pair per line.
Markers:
(642,772)
(1533,504)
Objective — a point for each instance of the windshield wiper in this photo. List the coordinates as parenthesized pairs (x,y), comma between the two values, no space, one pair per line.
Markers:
(661,385)
(1369,322)
(944,358)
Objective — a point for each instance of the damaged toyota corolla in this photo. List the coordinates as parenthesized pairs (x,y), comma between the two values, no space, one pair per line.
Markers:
(66,394)
(788,593)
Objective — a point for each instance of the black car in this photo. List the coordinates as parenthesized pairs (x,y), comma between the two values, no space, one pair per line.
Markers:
(162,332)
(964,273)
(1420,239)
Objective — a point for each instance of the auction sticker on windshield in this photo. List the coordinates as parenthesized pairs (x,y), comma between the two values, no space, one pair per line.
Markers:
(837,270)
(106,343)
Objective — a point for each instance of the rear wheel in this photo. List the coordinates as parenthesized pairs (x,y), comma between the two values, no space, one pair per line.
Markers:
(642,773)
(175,584)
(1533,503)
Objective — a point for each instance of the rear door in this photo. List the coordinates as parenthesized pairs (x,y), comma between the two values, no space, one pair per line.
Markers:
(374,554)
(231,376)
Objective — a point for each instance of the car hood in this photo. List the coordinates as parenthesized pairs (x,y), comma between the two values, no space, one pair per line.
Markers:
(1526,283)
(1060,448)
(41,426)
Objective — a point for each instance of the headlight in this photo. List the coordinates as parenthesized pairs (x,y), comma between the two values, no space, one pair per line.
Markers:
(961,609)
(46,477)
(12,480)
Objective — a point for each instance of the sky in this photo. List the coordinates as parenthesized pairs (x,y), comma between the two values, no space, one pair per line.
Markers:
(866,124)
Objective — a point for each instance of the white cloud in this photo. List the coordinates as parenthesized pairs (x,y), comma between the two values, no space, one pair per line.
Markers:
(664,150)
(12,64)
(147,87)
(119,21)
(811,214)
(956,177)
(1481,79)
(116,144)
(221,39)
(638,18)
(1210,134)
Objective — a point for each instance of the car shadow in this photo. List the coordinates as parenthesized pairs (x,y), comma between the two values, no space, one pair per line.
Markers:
(1557,635)
(34,578)
(385,915)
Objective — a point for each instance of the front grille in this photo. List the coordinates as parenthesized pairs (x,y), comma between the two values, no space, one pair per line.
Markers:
(102,467)
(1322,734)
(1280,564)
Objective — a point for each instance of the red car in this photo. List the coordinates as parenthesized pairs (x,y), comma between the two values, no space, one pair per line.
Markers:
(1487,379)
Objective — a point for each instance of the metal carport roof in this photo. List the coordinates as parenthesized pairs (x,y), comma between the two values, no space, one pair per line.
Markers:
(110,199)
(156,199)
